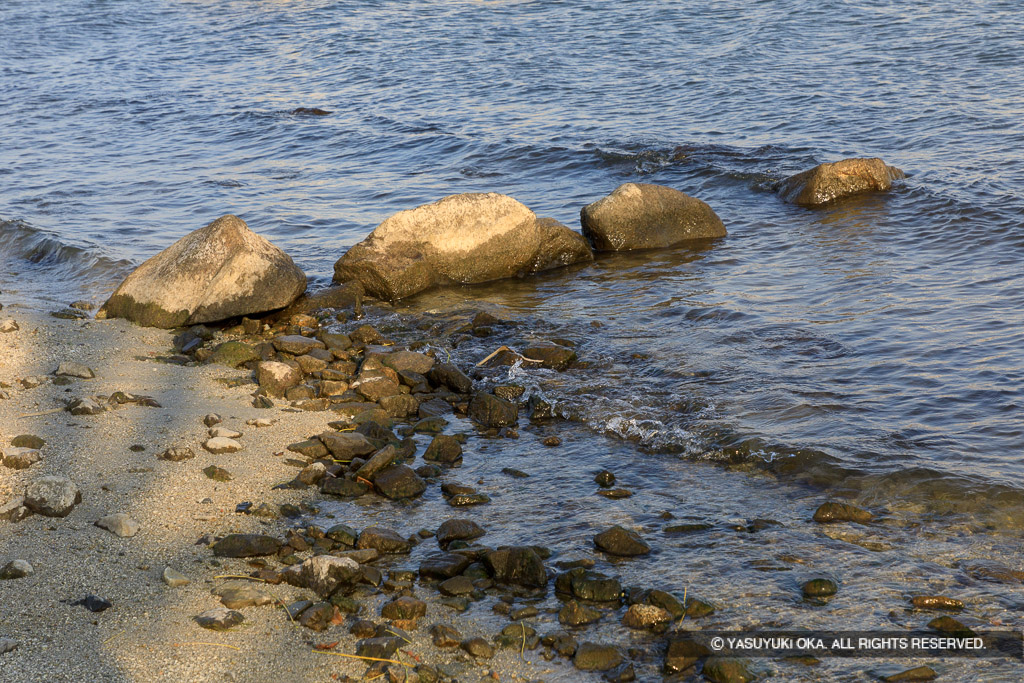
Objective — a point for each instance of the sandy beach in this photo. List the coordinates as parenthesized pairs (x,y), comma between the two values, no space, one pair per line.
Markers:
(149,633)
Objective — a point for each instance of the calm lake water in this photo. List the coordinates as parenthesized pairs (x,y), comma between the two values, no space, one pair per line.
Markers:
(873,349)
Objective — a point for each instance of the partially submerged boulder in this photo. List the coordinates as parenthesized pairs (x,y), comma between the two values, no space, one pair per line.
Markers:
(827,182)
(644,216)
(464,238)
(214,273)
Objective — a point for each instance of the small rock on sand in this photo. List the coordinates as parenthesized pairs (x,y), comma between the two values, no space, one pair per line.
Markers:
(69,369)
(174,579)
(222,444)
(16,569)
(220,619)
(52,496)
(119,524)
(8,326)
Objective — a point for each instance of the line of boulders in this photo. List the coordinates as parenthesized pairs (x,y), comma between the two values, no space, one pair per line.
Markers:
(224,270)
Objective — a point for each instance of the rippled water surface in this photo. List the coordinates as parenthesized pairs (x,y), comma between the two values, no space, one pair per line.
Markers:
(884,335)
(874,348)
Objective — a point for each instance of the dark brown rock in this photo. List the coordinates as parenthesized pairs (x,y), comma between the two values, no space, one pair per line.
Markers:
(831,181)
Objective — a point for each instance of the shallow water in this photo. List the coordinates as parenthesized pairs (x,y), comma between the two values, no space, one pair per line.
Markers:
(873,349)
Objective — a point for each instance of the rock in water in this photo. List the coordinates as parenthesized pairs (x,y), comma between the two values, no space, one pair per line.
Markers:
(622,542)
(644,216)
(827,182)
(465,238)
(217,272)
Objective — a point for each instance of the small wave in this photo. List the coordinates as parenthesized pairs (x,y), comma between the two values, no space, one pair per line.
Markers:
(40,265)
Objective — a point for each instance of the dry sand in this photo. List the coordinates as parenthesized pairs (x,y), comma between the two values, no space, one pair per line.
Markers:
(149,634)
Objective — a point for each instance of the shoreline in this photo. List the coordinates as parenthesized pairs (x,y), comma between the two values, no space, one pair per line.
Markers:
(150,632)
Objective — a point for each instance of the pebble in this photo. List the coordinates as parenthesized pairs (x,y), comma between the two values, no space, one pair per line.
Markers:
(478,647)
(259,422)
(552,441)
(16,569)
(94,603)
(920,673)
(173,578)
(212,419)
(119,524)
(604,478)
(222,444)
(220,619)
(8,326)
(177,454)
(819,588)
(224,432)
(217,473)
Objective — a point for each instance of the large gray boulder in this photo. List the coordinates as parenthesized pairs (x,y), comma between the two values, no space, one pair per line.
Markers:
(214,273)
(464,238)
(644,216)
(828,182)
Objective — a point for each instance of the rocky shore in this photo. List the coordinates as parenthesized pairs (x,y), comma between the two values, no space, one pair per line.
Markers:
(305,497)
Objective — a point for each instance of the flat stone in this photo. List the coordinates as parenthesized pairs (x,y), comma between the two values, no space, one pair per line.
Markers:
(318,617)
(346,445)
(70,369)
(236,596)
(409,361)
(443,565)
(217,473)
(726,670)
(85,406)
(52,496)
(222,444)
(297,345)
(173,578)
(177,454)
(596,657)
(119,524)
(246,545)
(14,510)
(551,356)
(379,461)
(220,619)
(383,540)
(224,433)
(936,602)
(8,326)
(7,644)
